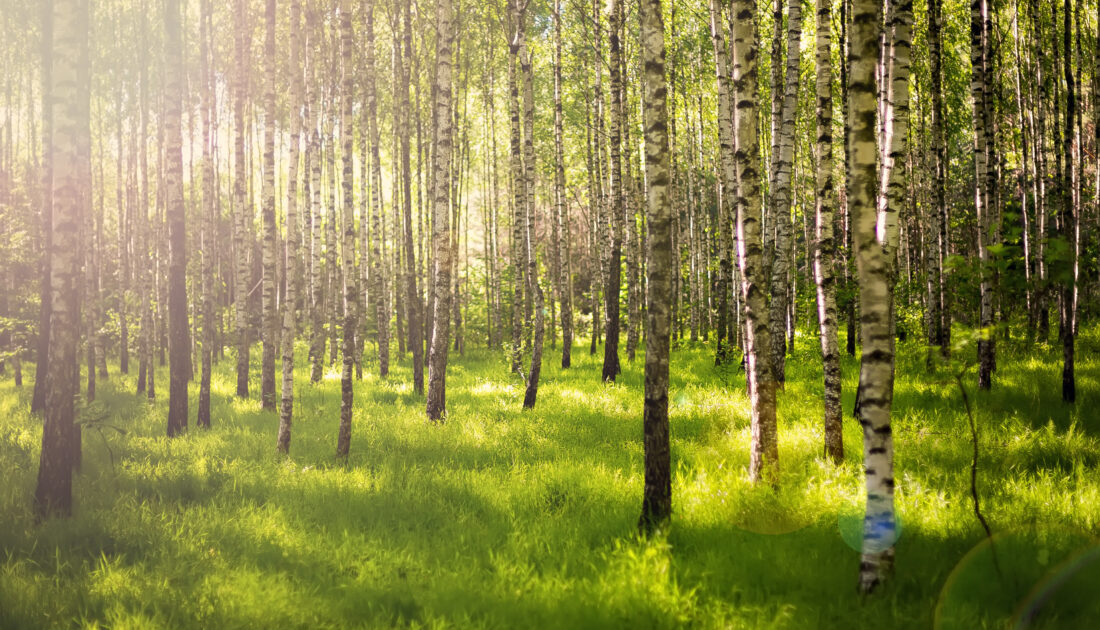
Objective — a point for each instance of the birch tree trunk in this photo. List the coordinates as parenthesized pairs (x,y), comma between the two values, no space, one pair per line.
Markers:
(208,215)
(783,162)
(893,185)
(347,251)
(613,277)
(727,193)
(877,364)
(657,497)
(441,229)
(983,195)
(493,240)
(941,317)
(45,310)
(331,184)
(413,303)
(533,287)
(69,147)
(293,237)
(313,172)
(241,203)
(764,460)
(519,195)
(824,246)
(377,256)
(1070,224)
(560,248)
(179,336)
(270,315)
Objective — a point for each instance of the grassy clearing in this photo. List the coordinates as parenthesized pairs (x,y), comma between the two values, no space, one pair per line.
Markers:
(501,518)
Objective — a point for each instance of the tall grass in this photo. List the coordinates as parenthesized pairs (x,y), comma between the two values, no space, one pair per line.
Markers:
(501,518)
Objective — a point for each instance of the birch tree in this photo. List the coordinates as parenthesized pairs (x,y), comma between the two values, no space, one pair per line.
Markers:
(293,237)
(764,455)
(783,161)
(179,341)
(657,497)
(270,328)
(347,250)
(824,245)
(69,145)
(442,254)
(877,361)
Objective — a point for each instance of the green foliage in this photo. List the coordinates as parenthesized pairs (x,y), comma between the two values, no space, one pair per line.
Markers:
(502,518)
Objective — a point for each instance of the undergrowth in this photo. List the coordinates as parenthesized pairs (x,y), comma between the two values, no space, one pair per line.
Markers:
(501,518)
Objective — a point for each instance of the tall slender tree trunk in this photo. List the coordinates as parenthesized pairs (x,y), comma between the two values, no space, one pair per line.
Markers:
(877,364)
(764,459)
(783,162)
(331,184)
(208,214)
(1070,226)
(347,251)
(893,185)
(560,248)
(533,286)
(657,496)
(983,195)
(941,316)
(45,311)
(241,204)
(377,256)
(632,235)
(124,260)
(270,312)
(519,194)
(179,334)
(824,246)
(442,254)
(413,303)
(593,152)
(727,191)
(293,236)
(69,148)
(146,371)
(494,217)
(313,161)
(87,299)
(613,277)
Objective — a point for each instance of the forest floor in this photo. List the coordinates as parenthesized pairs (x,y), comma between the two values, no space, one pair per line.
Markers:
(501,518)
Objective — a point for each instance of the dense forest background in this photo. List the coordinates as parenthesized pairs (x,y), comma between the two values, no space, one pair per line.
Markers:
(813,204)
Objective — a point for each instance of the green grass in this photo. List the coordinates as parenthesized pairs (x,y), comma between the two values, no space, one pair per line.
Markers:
(501,518)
